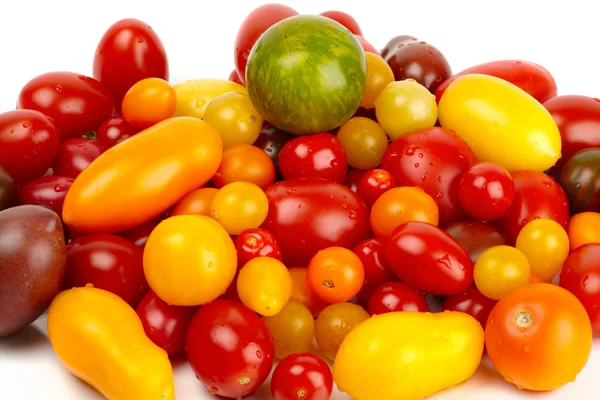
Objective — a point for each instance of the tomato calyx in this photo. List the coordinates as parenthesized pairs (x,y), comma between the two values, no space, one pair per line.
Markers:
(301,393)
(524,319)
(328,283)
(251,242)
(91,135)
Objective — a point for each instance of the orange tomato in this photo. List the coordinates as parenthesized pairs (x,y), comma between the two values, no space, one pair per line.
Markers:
(303,294)
(400,205)
(379,74)
(197,202)
(148,102)
(583,229)
(539,337)
(533,278)
(247,163)
(143,176)
(335,274)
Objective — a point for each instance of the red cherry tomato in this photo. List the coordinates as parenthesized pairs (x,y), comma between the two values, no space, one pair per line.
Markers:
(108,262)
(373,184)
(320,155)
(256,242)
(367,46)
(128,52)
(165,325)
(229,348)
(345,19)
(353,178)
(396,296)
(486,191)
(29,142)
(114,130)
(139,235)
(47,190)
(74,155)
(235,77)
(471,302)
(302,376)
(475,237)
(377,271)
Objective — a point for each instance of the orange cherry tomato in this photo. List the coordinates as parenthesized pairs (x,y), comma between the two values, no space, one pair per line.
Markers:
(303,294)
(379,74)
(335,274)
(143,176)
(533,278)
(539,337)
(148,102)
(247,163)
(196,202)
(583,229)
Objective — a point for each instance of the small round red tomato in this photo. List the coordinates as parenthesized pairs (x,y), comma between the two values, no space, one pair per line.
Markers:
(353,178)
(335,274)
(229,348)
(107,262)
(244,162)
(377,271)
(74,155)
(29,142)
(320,155)
(148,102)
(471,302)
(373,184)
(475,237)
(256,242)
(165,325)
(396,296)
(302,376)
(139,235)
(114,130)
(486,191)
(345,19)
(367,46)
(47,190)
(235,77)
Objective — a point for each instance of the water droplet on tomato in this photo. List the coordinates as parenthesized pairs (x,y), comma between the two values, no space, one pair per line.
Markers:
(291,191)
(210,264)
(80,144)
(152,329)
(547,183)
(509,379)
(258,354)
(334,163)
(416,165)
(439,179)
(140,40)
(331,196)
(59,188)
(352,215)
(26,124)
(200,103)
(299,205)
(12,131)
(526,349)
(213,389)
(410,151)
(58,88)
(269,150)
(420,155)
(584,281)
(439,195)
(81,77)
(345,206)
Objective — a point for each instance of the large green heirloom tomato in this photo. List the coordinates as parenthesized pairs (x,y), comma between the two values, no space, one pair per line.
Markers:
(306,74)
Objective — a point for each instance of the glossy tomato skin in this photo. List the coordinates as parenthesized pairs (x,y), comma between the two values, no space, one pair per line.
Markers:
(377,270)
(128,52)
(271,140)
(396,296)
(256,242)
(235,77)
(9,192)
(475,236)
(230,348)
(580,179)
(428,259)
(374,183)
(76,103)
(47,190)
(302,376)
(471,302)
(139,235)
(29,142)
(74,155)
(345,19)
(434,160)
(394,42)
(353,178)
(114,130)
(366,45)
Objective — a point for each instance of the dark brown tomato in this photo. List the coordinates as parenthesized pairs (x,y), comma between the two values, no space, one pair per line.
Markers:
(48,190)
(9,192)
(271,140)
(394,42)
(580,178)
(475,237)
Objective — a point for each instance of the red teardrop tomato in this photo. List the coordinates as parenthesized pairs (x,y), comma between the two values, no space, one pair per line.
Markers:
(428,259)
(353,178)
(302,376)
(128,52)
(256,242)
(367,46)
(114,130)
(74,155)
(377,271)
(396,296)
(235,77)
(139,234)
(373,184)
(229,348)
(345,19)
(475,237)
(47,190)
(471,302)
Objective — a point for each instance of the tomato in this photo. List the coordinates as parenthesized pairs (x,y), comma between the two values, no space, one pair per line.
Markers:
(235,118)
(74,155)
(9,192)
(580,179)
(189,260)
(363,142)
(367,46)
(396,296)
(302,293)
(230,348)
(264,285)
(245,163)
(48,190)
(256,242)
(164,324)
(194,96)
(113,193)
(302,376)
(379,75)
(345,19)
(113,131)
(471,302)
(580,275)
(196,202)
(28,144)
(292,328)
(334,323)
(271,140)
(428,259)
(139,234)
(373,184)
(541,325)
(500,270)
(439,349)
(238,206)
(434,160)
(377,271)
(128,52)
(353,178)
(298,209)
(235,77)
(583,229)
(475,237)
(393,44)
(335,274)
(486,191)
(537,195)
(532,78)
(501,123)
(148,102)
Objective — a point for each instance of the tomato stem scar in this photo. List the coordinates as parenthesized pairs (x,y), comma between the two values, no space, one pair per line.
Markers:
(301,393)
(524,319)
(328,283)
(245,381)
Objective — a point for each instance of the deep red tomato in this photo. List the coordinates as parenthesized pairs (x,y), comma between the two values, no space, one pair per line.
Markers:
(367,46)
(48,190)
(139,235)
(74,155)
(230,348)
(76,103)
(165,325)
(28,144)
(108,262)
(271,140)
(308,215)
(353,178)
(114,130)
(537,195)
(486,191)
(302,376)
(377,271)
(254,25)
(128,52)
(345,19)
(235,77)
(256,242)
(475,237)
(396,296)
(393,44)
(428,259)
(373,184)
(581,276)
(366,113)
(320,155)
(471,302)
(433,159)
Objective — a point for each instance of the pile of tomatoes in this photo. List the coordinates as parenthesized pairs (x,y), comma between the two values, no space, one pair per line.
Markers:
(451,215)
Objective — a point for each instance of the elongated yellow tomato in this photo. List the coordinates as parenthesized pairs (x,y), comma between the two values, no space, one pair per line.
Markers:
(193,96)
(501,123)
(142,177)
(410,355)
(100,339)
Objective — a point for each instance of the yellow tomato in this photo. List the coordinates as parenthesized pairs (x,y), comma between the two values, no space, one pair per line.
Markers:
(189,260)
(408,355)
(583,229)
(334,323)
(264,285)
(193,96)
(499,270)
(379,74)
(148,102)
(545,243)
(100,339)
(292,328)
(501,123)
(363,141)
(238,206)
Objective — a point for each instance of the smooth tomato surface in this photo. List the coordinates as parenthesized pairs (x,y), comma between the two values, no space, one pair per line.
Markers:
(334,323)
(471,302)
(292,328)
(139,235)
(335,274)
(500,270)
(396,296)
(345,19)
(196,202)
(264,285)
(377,271)
(302,293)
(47,190)
(247,163)
(583,229)
(148,102)
(256,242)
(373,184)
(302,376)
(475,236)
(74,155)
(114,130)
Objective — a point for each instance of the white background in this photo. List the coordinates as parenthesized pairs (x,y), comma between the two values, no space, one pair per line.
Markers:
(45,35)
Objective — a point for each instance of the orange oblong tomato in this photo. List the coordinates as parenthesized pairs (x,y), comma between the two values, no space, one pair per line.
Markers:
(142,177)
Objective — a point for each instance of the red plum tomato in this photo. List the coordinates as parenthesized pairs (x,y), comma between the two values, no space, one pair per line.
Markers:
(373,184)
(471,302)
(345,19)
(302,376)
(113,131)
(235,77)
(47,190)
(377,271)
(74,155)
(256,242)
(139,234)
(475,236)
(396,296)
